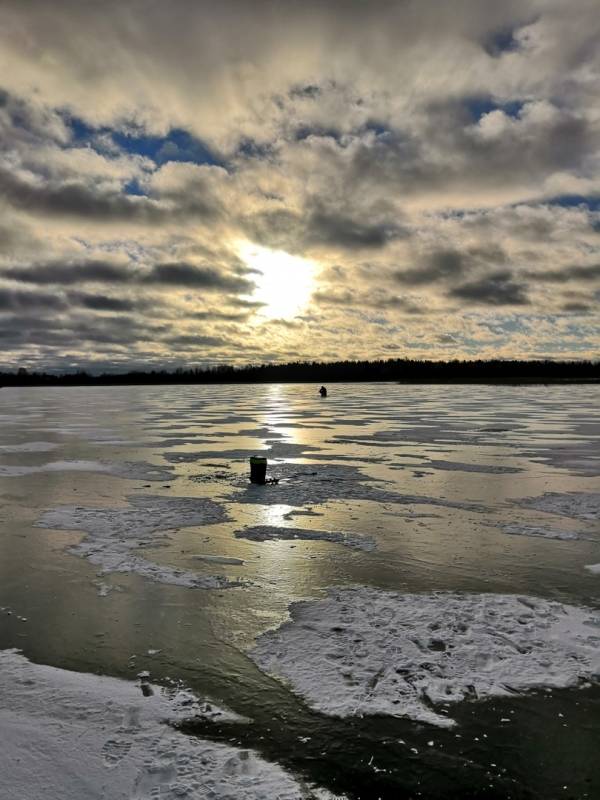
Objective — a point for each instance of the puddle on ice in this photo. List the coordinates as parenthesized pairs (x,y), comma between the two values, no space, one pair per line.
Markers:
(269,533)
(413,655)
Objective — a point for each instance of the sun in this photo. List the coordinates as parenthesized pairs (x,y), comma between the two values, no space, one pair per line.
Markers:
(284,283)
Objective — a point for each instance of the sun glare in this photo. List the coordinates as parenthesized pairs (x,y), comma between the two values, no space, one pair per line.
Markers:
(284,283)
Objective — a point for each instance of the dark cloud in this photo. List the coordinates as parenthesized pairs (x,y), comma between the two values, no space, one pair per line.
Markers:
(72,199)
(591,272)
(191,341)
(335,229)
(441,265)
(16,299)
(68,273)
(225,316)
(98,302)
(188,275)
(498,289)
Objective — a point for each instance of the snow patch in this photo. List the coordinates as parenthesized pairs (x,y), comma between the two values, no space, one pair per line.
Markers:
(593,568)
(68,736)
(267,533)
(410,655)
(114,534)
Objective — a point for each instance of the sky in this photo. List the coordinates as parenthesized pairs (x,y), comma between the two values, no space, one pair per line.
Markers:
(190,183)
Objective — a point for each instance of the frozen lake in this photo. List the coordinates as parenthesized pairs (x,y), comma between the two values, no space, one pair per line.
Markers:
(413,610)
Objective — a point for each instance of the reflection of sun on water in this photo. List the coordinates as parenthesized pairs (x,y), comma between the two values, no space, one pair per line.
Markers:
(284,283)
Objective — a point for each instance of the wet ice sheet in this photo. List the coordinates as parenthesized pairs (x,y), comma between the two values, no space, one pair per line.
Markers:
(69,736)
(28,447)
(308,484)
(114,534)
(378,652)
(269,533)
(492,469)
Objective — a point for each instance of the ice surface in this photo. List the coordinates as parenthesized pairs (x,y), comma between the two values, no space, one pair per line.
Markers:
(114,534)
(72,736)
(579,505)
(366,651)
(265,533)
(134,470)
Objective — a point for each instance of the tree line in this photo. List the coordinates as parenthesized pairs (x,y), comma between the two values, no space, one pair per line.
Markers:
(399,370)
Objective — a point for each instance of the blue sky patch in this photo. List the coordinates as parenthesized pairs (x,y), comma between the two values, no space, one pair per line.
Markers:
(178,145)
(592,202)
(479,106)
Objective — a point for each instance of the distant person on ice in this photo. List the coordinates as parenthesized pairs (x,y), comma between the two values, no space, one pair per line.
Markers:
(323,391)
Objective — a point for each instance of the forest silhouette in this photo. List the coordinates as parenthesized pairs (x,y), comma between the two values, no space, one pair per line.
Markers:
(397,370)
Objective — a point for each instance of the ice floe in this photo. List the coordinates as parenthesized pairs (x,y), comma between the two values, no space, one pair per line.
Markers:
(267,533)
(69,736)
(366,651)
(112,535)
(578,505)
(516,529)
(135,470)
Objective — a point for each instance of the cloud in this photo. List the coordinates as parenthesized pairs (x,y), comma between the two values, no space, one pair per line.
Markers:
(438,163)
(498,289)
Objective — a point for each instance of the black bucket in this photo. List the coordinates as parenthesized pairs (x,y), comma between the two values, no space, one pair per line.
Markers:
(258,469)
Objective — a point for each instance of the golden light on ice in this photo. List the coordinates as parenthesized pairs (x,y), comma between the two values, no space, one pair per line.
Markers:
(284,283)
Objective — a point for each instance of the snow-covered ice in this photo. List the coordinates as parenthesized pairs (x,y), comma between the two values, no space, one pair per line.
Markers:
(267,533)
(140,471)
(516,529)
(113,534)
(579,505)
(366,651)
(72,736)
